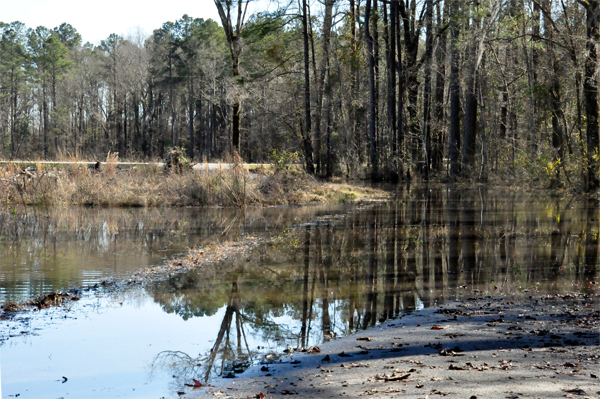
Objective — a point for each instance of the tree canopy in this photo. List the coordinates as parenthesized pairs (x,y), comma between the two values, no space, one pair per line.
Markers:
(388,90)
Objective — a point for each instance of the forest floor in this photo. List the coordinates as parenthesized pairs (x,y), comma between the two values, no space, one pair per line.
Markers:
(486,347)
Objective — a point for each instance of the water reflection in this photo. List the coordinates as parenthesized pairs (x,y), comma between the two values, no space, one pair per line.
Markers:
(330,276)
(47,250)
(337,276)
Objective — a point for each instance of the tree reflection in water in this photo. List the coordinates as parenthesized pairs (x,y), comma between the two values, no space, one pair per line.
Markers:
(229,354)
(334,276)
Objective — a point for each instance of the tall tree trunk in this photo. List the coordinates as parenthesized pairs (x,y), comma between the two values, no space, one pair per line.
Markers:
(13,115)
(308,151)
(437,156)
(454,144)
(558,130)
(392,70)
(233,34)
(427,88)
(375,36)
(171,100)
(356,135)
(322,74)
(236,109)
(53,114)
(372,95)
(190,115)
(328,143)
(412,34)
(504,111)
(590,93)
(400,74)
(125,131)
(45,119)
(470,118)
(535,81)
(136,123)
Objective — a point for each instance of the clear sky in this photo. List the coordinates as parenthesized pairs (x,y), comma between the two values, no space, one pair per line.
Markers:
(95,20)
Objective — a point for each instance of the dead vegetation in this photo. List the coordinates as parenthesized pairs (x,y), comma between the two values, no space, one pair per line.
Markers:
(149,186)
(54,299)
(11,307)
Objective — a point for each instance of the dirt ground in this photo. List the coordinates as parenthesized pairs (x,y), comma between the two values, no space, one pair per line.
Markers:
(545,347)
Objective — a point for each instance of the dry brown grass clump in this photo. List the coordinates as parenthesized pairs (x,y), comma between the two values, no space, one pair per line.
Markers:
(150,186)
(11,307)
(283,187)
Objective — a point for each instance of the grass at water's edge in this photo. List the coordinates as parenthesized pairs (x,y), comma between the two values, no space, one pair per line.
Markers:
(151,187)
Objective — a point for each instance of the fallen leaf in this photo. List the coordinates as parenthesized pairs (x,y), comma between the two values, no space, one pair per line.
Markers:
(197,384)
(392,377)
(448,352)
(363,339)
(354,365)
(312,349)
(288,392)
(437,328)
(576,391)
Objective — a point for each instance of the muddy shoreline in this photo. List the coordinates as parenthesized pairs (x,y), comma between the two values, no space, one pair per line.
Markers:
(490,347)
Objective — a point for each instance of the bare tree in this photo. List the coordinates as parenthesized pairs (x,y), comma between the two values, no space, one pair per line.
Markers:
(229,9)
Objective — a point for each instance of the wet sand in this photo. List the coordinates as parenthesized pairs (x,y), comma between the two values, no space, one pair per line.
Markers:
(538,347)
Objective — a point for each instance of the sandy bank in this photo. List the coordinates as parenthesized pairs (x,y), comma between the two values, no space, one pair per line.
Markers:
(545,347)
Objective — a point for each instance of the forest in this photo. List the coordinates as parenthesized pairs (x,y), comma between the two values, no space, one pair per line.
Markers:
(387,90)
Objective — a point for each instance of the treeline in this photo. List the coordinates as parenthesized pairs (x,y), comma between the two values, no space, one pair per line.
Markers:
(391,89)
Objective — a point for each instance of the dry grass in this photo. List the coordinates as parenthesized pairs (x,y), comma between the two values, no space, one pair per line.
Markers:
(150,186)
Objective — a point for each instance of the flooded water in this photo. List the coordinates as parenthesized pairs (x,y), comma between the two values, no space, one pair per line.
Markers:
(331,276)
(48,250)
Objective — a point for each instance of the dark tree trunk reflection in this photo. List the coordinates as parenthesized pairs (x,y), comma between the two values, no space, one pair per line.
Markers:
(430,245)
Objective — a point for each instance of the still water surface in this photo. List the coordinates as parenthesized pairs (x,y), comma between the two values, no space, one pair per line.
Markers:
(48,250)
(331,276)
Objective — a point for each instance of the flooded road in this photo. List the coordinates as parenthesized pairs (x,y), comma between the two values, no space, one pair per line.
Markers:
(332,276)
